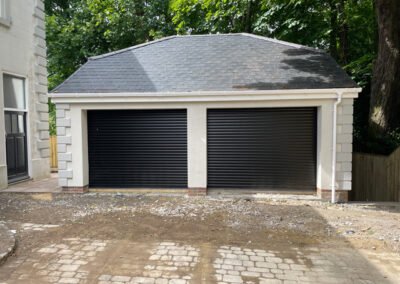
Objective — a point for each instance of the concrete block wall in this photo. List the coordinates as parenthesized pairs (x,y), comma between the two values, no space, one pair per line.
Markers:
(64,140)
(344,144)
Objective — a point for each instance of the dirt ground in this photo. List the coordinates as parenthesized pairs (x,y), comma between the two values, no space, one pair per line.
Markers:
(272,223)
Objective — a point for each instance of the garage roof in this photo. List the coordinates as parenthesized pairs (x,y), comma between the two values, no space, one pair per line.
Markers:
(221,62)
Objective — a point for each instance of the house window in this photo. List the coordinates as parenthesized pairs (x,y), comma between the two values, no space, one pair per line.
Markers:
(5,18)
(14,92)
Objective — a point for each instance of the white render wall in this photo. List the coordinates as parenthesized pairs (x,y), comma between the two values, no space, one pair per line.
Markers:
(23,53)
(72,137)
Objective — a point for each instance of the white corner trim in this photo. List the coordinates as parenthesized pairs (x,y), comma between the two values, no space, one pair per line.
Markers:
(208,96)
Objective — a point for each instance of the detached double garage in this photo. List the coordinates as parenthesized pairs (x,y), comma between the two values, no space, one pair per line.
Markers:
(226,111)
(252,148)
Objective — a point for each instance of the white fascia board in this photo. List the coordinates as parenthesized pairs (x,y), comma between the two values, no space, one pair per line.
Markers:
(216,96)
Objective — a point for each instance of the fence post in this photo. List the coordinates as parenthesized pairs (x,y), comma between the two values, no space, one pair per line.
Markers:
(53,153)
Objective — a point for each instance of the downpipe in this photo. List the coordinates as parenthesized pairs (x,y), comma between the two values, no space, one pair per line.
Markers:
(334,130)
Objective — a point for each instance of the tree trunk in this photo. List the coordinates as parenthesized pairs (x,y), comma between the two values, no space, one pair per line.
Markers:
(385,94)
(334,30)
(343,34)
(248,16)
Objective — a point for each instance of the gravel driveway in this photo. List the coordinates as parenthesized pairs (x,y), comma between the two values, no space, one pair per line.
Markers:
(116,238)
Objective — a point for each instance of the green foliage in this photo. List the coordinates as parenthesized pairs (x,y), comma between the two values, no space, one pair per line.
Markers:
(303,22)
(52,119)
(77,30)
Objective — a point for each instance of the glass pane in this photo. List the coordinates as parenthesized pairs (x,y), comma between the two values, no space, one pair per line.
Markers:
(14,93)
(21,123)
(7,118)
(14,123)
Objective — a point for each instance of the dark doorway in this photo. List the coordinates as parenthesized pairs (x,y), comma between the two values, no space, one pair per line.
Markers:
(137,148)
(262,148)
(16,145)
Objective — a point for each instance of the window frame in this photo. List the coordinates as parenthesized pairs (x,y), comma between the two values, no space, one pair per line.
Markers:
(25,109)
(5,18)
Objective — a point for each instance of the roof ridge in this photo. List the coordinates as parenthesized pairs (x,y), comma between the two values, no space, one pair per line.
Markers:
(131,48)
(204,35)
(282,42)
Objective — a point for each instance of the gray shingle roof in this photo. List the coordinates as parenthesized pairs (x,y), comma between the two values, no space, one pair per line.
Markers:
(208,63)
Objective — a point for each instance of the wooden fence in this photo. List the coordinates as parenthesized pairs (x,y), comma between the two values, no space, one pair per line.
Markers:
(376,177)
(53,153)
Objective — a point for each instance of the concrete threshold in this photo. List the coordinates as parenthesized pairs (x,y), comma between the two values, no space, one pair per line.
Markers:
(264,194)
(213,193)
(146,191)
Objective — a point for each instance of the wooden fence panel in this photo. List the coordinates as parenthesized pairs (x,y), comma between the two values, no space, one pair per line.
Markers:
(376,177)
(53,152)
(394,174)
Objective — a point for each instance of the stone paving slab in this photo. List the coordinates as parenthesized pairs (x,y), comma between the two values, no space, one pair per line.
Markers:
(7,242)
(48,185)
(83,260)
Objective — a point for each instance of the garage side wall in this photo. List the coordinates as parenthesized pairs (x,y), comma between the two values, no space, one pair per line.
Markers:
(344,147)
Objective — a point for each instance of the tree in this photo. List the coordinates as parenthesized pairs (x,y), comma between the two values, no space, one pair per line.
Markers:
(347,29)
(385,93)
(78,29)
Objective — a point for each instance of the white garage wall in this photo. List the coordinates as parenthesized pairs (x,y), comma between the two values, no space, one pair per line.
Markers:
(72,132)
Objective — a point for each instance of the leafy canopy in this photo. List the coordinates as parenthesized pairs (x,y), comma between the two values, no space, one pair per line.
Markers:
(78,29)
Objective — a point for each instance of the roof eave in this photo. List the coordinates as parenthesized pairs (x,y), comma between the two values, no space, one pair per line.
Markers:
(204,96)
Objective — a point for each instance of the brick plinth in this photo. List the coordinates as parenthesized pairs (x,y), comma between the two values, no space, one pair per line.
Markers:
(75,189)
(326,195)
(197,191)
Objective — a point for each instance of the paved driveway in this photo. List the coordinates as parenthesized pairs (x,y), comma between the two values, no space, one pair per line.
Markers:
(142,239)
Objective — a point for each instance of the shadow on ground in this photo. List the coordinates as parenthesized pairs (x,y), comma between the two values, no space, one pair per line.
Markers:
(117,238)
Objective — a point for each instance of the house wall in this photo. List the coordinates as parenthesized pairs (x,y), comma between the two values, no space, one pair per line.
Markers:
(23,53)
(72,138)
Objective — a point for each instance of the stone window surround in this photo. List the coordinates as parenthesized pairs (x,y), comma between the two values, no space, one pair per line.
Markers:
(74,114)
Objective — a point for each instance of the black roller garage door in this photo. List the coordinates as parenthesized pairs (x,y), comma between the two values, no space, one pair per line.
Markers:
(137,148)
(265,148)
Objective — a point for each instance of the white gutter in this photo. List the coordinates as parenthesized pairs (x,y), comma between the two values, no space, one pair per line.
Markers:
(335,105)
(204,96)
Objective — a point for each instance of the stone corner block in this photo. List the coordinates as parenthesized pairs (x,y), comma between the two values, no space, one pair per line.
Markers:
(65,157)
(64,140)
(63,106)
(63,122)
(65,174)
